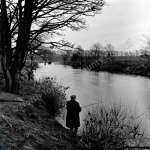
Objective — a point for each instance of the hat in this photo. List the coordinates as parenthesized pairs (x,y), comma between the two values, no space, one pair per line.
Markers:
(72,96)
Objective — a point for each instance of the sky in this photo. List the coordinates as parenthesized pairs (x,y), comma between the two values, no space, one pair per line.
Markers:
(120,21)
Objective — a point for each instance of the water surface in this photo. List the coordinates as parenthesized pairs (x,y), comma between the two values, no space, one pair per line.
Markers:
(91,87)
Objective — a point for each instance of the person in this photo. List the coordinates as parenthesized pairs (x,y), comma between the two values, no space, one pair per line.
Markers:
(73,110)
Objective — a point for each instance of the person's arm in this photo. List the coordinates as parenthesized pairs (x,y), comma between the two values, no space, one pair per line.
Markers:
(79,108)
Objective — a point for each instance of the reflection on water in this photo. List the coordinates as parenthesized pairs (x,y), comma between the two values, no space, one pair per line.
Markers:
(91,87)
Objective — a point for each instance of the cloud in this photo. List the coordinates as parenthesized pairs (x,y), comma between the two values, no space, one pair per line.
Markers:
(119,21)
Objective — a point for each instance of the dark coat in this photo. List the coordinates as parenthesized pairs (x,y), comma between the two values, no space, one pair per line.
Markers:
(73,110)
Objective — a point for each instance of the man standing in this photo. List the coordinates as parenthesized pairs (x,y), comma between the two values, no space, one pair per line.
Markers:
(73,110)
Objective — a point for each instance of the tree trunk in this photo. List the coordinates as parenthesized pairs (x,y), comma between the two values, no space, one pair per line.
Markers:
(13,62)
(15,82)
(15,75)
(7,75)
(6,51)
(11,77)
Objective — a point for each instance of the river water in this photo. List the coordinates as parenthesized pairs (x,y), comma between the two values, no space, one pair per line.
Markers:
(91,87)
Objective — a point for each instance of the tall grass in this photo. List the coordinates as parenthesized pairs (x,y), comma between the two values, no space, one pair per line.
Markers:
(114,128)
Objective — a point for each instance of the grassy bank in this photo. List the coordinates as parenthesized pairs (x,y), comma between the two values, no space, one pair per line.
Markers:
(30,124)
(30,127)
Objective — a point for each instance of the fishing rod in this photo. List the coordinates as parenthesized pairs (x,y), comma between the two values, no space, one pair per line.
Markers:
(89,105)
(92,104)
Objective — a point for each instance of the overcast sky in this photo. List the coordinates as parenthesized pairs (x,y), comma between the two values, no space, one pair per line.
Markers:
(122,20)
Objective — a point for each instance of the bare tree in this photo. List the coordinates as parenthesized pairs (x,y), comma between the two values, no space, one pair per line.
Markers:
(109,47)
(24,22)
(96,50)
(110,53)
(145,51)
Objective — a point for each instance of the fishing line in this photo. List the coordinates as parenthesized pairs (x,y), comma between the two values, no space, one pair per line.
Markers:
(92,104)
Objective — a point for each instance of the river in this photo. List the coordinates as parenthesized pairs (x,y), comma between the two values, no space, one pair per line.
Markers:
(91,87)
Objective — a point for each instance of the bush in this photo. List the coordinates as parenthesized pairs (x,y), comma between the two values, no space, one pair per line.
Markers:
(35,64)
(75,57)
(48,90)
(112,128)
(53,96)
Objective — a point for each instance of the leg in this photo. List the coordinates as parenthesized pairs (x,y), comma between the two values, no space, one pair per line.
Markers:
(76,130)
(71,128)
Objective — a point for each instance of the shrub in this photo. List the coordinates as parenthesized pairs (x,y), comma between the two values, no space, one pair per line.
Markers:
(75,57)
(48,90)
(35,64)
(112,128)
(53,95)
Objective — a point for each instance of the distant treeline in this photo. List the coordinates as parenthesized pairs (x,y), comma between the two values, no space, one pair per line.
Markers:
(118,64)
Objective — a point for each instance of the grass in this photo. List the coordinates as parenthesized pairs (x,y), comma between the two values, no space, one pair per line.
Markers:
(31,128)
(114,128)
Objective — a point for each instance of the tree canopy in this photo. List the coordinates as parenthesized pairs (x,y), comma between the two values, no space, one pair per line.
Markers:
(27,25)
(46,18)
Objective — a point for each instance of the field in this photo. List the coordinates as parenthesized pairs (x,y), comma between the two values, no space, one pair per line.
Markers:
(130,58)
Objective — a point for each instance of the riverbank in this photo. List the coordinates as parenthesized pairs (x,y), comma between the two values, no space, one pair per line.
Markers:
(27,125)
(122,65)
(133,68)
(31,128)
